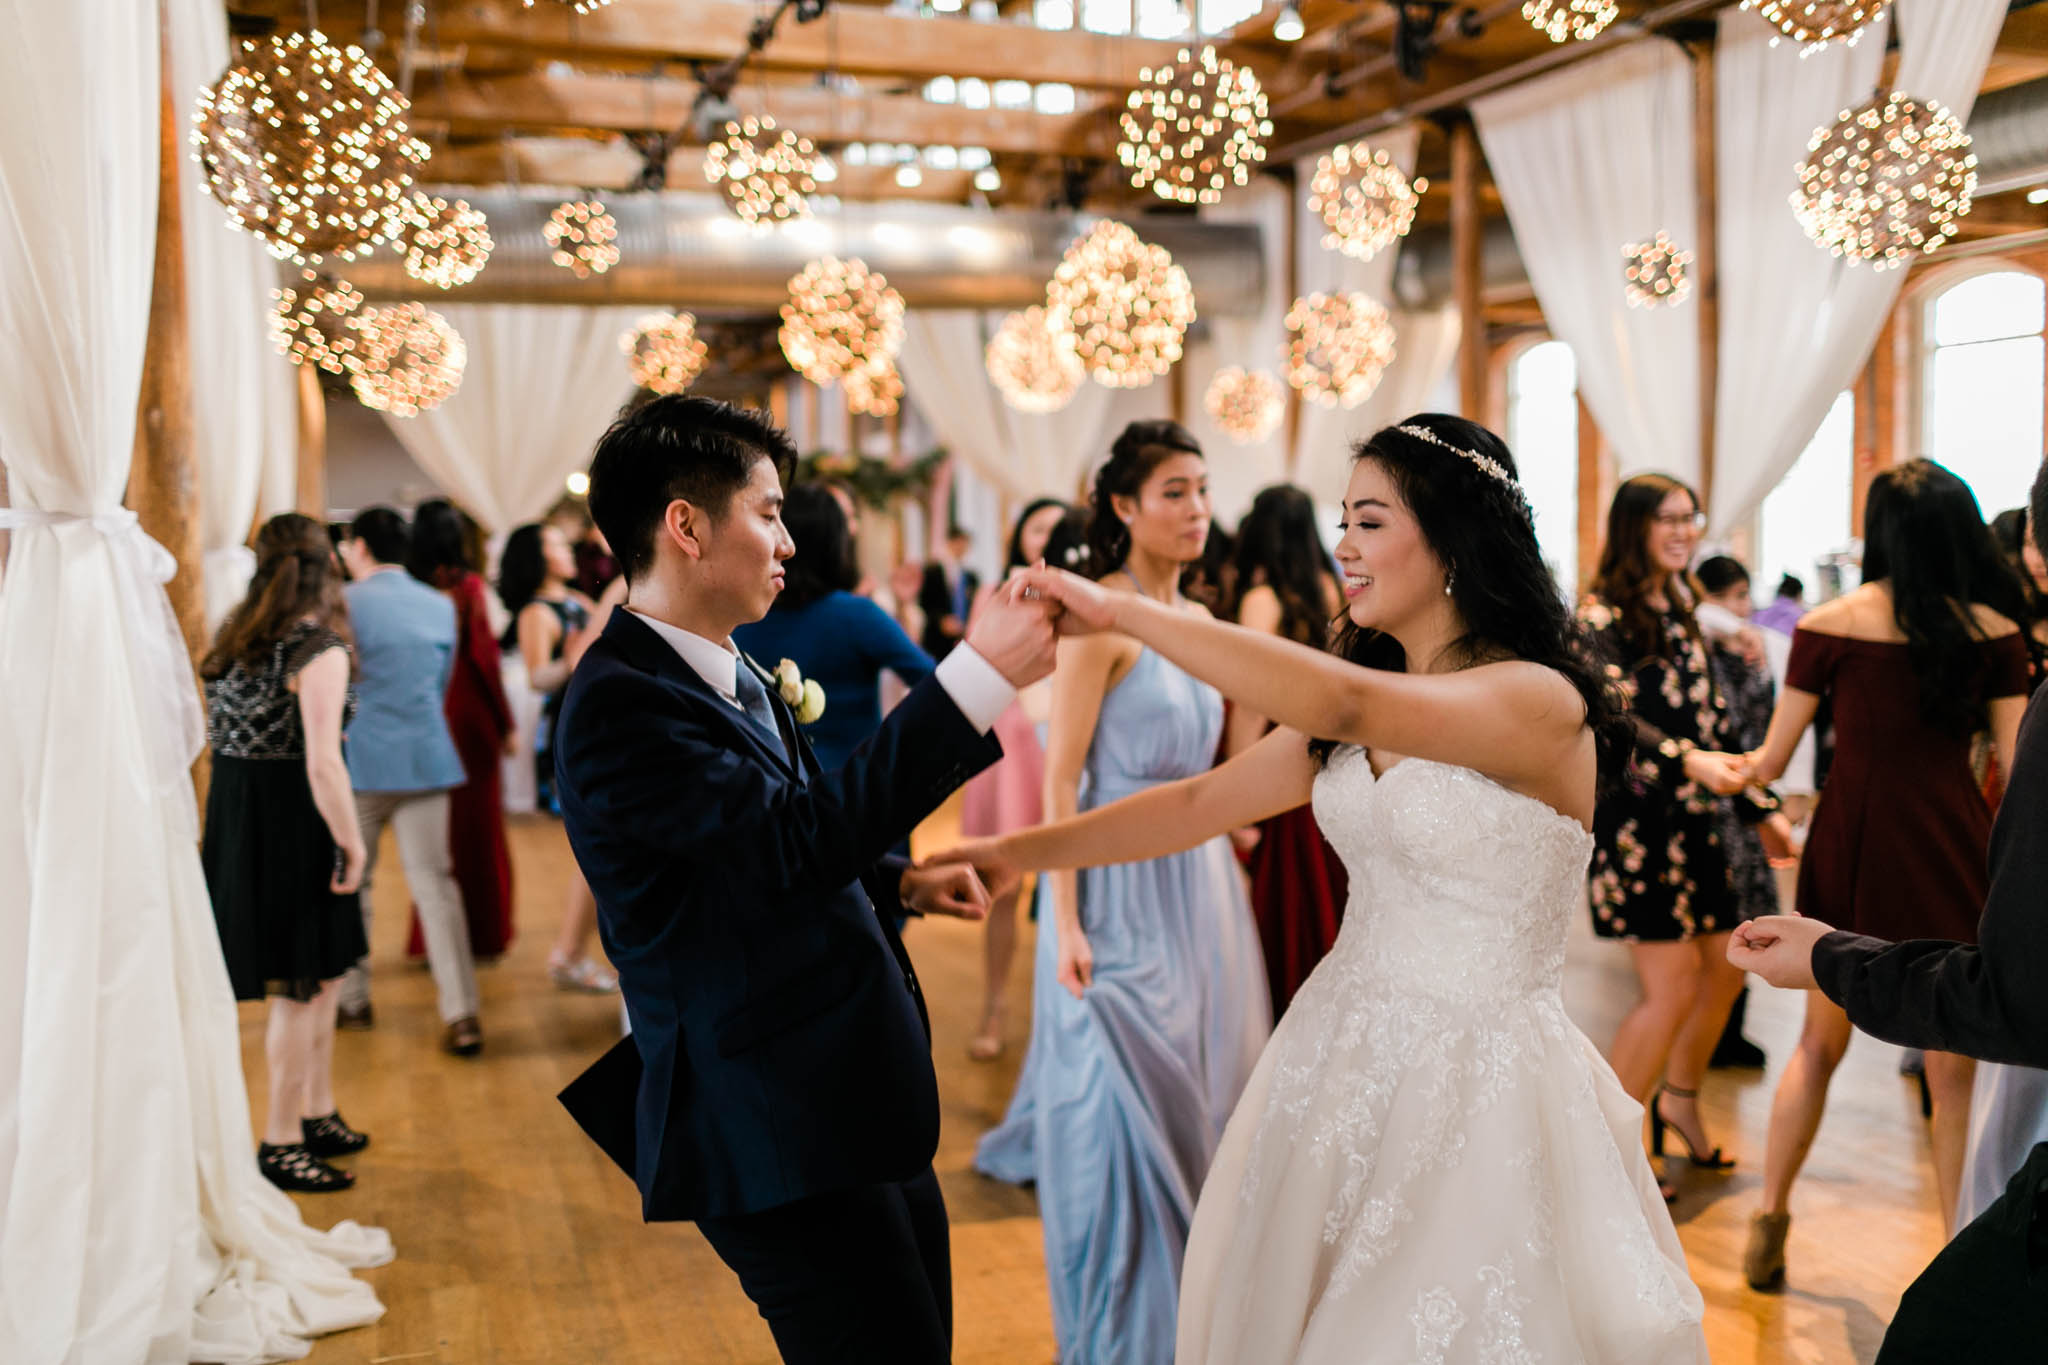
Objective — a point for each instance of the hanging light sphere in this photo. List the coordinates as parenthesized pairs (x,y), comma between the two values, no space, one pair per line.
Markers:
(1656,271)
(306,146)
(1033,363)
(840,316)
(768,173)
(314,324)
(873,388)
(584,238)
(1245,403)
(1888,181)
(1564,19)
(664,353)
(411,359)
(1125,302)
(1816,23)
(1341,344)
(1363,199)
(445,244)
(1194,127)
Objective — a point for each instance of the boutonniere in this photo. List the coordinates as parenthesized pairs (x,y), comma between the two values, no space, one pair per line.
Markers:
(799,693)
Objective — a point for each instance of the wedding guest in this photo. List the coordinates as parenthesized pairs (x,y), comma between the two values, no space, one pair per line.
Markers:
(947,593)
(1787,605)
(444,555)
(1010,795)
(402,761)
(1918,659)
(1288,588)
(1211,581)
(1659,877)
(837,639)
(283,854)
(2014,532)
(1149,1004)
(550,630)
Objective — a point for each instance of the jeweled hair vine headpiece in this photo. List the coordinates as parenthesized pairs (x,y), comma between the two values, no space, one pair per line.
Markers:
(1487,464)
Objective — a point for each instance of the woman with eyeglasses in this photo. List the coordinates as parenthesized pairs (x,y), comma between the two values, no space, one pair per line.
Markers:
(1659,878)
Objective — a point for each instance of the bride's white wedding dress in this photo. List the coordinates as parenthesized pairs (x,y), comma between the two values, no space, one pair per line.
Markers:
(1431,1163)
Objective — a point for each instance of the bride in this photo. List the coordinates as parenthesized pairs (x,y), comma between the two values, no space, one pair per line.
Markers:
(1430,1162)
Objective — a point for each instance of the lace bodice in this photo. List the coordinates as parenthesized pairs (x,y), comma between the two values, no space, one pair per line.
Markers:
(1460,889)
(251,713)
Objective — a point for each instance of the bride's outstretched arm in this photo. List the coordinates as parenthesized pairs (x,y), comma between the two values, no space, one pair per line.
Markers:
(1512,720)
(1272,776)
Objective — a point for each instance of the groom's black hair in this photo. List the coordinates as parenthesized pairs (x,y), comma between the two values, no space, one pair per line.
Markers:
(697,449)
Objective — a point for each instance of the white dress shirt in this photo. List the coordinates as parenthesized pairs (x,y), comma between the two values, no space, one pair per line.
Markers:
(981,693)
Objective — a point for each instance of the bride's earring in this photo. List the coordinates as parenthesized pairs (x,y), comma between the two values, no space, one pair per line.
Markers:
(1450,577)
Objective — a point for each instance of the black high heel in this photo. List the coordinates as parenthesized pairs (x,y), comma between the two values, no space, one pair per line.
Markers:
(330,1135)
(1712,1161)
(292,1167)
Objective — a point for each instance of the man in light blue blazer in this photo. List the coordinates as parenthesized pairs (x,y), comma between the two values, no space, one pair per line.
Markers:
(402,762)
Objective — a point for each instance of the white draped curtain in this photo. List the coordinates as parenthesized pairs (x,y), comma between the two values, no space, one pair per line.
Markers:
(1796,323)
(1590,159)
(542,384)
(244,396)
(133,1223)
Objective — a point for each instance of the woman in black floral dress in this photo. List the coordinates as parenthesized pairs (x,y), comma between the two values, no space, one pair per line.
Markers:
(1659,877)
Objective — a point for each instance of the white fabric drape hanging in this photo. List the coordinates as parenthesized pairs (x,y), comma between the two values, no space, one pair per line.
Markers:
(1796,323)
(542,384)
(133,1223)
(1238,470)
(1590,159)
(243,392)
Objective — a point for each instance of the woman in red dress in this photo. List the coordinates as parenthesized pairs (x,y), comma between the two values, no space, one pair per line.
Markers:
(1288,588)
(1925,654)
(446,548)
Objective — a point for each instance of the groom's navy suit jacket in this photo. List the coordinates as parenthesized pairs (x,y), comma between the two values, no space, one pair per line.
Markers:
(779,1047)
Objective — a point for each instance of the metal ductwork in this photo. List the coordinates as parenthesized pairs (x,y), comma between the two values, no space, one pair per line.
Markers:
(2008,131)
(689,250)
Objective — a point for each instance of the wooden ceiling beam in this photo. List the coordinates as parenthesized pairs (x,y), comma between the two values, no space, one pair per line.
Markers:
(617,104)
(856,41)
(581,163)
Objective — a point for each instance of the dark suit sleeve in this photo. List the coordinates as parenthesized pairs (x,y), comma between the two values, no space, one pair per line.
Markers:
(634,769)
(1990,1001)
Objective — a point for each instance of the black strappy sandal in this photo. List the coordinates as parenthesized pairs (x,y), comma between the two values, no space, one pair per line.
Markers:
(289,1166)
(330,1135)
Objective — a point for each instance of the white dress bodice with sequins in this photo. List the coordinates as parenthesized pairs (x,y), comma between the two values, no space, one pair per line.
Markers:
(1431,1163)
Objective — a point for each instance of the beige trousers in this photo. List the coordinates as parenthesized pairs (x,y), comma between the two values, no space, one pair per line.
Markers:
(420,821)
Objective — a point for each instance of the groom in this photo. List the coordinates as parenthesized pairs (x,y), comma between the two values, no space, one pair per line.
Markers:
(777,1087)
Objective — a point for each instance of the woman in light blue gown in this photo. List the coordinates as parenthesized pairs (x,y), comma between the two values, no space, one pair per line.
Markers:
(1149,1007)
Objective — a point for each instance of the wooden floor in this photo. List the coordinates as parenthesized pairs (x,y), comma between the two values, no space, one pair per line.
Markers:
(517,1242)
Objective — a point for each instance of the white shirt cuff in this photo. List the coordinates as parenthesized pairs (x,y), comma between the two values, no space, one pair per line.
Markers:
(981,693)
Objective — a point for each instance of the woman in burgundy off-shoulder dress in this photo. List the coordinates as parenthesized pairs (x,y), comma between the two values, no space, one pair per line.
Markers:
(479,720)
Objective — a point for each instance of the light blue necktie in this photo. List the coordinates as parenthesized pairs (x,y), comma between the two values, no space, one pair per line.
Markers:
(753,699)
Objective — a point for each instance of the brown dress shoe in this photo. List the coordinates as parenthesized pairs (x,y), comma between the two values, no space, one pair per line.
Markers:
(1763,1261)
(463,1037)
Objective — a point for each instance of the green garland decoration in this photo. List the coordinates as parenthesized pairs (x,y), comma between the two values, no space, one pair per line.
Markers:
(876,483)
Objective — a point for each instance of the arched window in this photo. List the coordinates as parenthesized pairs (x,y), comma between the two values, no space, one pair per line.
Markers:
(1543,432)
(1981,407)
(1806,518)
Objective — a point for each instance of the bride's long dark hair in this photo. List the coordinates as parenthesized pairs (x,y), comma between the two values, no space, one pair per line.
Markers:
(1480,528)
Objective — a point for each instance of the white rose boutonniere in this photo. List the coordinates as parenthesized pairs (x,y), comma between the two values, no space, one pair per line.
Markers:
(799,693)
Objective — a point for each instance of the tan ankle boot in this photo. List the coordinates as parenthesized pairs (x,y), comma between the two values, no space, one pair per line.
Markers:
(1763,1262)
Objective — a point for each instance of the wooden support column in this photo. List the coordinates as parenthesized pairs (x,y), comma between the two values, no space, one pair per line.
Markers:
(1177,392)
(1290,266)
(163,484)
(1706,267)
(1880,409)
(778,403)
(1467,270)
(312,492)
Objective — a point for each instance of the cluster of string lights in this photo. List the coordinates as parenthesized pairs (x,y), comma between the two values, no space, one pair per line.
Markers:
(1247,404)
(873,388)
(411,360)
(1364,199)
(1887,181)
(840,317)
(767,173)
(1033,363)
(1563,20)
(445,244)
(1193,128)
(664,353)
(1339,346)
(313,323)
(1655,272)
(1816,23)
(306,145)
(1126,303)
(583,237)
